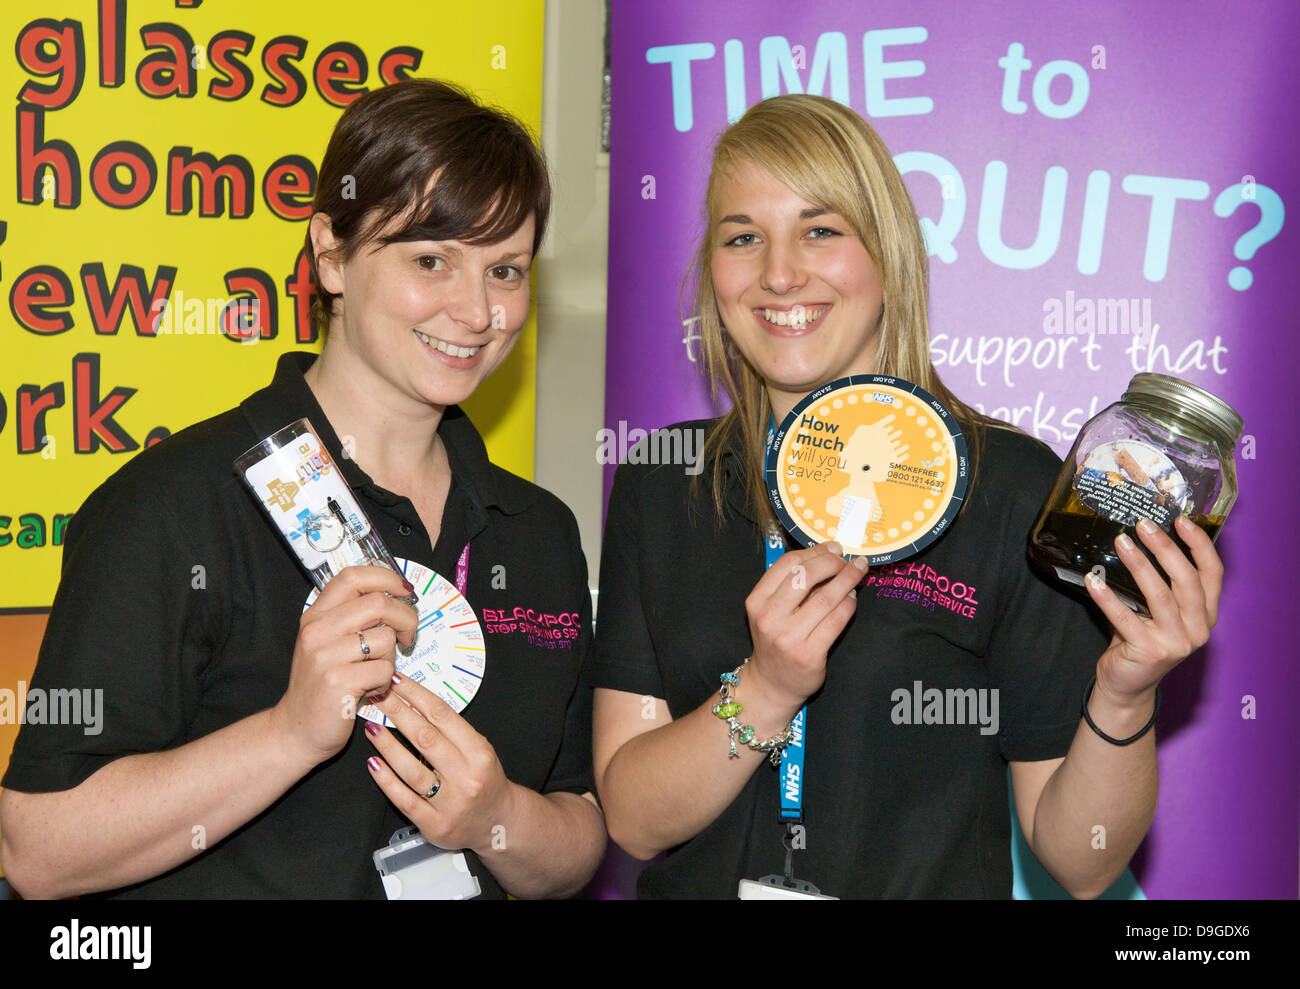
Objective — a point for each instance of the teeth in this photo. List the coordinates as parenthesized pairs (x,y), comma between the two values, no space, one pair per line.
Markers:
(450,349)
(798,316)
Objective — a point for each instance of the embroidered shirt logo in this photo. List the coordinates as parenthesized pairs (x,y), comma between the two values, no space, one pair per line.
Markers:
(539,628)
(920,584)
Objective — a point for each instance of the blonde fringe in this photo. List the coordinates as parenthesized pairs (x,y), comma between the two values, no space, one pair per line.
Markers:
(830,156)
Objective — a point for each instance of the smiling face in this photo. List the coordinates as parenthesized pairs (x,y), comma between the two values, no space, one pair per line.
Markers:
(429,319)
(796,288)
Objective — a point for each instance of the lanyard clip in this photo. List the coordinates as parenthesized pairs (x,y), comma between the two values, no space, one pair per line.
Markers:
(788,842)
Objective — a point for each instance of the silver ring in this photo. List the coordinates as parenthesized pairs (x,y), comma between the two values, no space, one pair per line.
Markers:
(437,785)
(365,649)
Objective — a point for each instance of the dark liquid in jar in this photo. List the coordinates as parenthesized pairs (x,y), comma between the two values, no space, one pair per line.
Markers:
(1076,538)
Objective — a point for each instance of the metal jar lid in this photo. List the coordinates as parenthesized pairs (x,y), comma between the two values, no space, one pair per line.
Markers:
(1221,416)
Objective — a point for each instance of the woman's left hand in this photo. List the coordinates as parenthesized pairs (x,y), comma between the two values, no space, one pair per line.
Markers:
(473,793)
(1183,611)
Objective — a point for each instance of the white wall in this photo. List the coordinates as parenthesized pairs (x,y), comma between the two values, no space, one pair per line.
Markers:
(572,266)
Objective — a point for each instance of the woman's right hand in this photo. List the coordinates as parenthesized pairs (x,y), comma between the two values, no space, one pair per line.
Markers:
(796,612)
(330,673)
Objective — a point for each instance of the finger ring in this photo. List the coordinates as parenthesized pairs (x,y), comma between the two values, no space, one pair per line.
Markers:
(365,649)
(437,785)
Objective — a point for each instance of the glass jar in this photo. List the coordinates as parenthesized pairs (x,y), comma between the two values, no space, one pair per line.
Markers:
(1164,449)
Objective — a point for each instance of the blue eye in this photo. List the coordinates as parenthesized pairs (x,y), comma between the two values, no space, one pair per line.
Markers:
(740,240)
(822,233)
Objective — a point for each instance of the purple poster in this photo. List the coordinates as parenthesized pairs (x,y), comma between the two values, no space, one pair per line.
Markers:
(1103,191)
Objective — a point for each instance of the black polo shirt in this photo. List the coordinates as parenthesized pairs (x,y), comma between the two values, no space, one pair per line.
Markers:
(892,807)
(182,602)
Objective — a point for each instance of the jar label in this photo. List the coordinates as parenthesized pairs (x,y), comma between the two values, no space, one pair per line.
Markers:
(1127,480)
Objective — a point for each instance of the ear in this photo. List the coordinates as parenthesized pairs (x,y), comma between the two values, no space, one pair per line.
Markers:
(326,246)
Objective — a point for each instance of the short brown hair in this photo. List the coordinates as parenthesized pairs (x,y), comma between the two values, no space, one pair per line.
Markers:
(390,142)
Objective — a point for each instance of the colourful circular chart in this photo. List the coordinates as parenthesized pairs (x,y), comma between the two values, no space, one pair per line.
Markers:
(449,654)
(873,462)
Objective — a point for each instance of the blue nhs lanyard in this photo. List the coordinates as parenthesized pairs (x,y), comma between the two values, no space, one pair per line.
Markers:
(791,779)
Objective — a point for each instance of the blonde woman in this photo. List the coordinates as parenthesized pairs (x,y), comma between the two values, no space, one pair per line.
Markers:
(813,267)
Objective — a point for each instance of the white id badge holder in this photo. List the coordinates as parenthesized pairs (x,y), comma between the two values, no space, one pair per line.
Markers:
(779,888)
(412,869)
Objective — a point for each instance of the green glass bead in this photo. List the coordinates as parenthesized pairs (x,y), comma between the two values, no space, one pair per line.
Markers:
(729,710)
(745,734)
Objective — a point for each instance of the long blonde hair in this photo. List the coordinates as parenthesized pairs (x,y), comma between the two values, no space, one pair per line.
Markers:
(831,157)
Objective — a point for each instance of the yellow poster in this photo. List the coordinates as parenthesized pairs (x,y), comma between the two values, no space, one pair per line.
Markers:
(156,185)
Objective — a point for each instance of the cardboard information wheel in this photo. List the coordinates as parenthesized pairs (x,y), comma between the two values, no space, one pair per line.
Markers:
(449,655)
(873,462)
